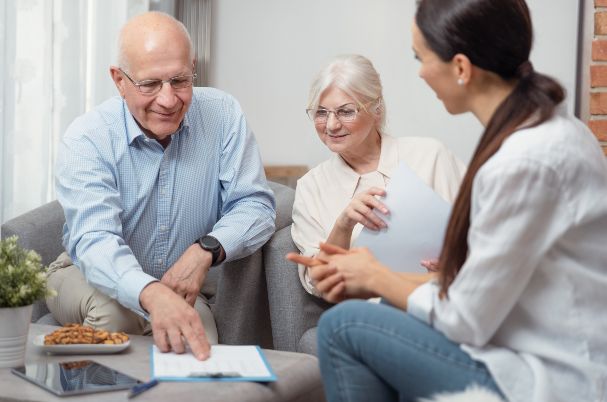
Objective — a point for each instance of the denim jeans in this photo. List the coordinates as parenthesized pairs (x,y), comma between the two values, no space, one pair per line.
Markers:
(375,352)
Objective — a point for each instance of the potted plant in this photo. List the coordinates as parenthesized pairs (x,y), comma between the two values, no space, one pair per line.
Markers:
(22,282)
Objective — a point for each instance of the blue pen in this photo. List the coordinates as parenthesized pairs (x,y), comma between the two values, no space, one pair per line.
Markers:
(140,388)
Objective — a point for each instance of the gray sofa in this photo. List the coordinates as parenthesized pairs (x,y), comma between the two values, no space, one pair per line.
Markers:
(259,298)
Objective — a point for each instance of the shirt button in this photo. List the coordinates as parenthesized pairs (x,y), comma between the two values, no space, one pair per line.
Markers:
(163,228)
(160,261)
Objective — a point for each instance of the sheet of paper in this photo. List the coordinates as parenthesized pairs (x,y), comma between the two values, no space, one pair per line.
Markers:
(416,224)
(237,363)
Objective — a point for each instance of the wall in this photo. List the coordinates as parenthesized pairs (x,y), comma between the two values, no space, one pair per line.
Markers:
(266,52)
(598,74)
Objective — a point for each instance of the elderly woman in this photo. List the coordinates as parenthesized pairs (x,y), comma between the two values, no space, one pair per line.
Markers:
(335,199)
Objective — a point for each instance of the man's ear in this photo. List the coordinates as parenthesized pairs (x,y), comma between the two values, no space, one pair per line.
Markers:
(119,79)
(462,68)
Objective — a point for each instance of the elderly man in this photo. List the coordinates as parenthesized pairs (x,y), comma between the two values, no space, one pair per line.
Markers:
(157,186)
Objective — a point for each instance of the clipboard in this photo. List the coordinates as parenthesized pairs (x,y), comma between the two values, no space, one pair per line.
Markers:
(227,363)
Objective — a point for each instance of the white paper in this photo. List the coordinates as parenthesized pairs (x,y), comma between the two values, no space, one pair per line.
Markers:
(246,361)
(416,224)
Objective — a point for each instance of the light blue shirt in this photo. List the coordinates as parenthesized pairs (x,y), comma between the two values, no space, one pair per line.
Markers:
(132,208)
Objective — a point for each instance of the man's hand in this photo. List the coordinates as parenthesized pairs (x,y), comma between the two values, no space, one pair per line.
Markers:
(187,275)
(173,321)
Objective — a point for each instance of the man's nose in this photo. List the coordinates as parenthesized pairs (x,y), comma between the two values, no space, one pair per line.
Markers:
(166,97)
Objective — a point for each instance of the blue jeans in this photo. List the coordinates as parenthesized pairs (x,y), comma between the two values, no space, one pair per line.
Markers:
(375,352)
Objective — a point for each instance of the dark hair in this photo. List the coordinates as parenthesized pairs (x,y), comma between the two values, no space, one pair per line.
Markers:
(496,35)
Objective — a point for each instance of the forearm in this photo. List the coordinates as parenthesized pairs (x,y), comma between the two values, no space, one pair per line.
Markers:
(110,266)
(244,229)
(396,287)
(340,235)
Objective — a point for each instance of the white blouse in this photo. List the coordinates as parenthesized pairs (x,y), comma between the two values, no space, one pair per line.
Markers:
(530,299)
(326,190)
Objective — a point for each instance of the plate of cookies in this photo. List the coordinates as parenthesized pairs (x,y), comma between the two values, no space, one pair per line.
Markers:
(76,339)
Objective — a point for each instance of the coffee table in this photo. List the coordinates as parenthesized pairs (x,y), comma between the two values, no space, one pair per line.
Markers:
(298,378)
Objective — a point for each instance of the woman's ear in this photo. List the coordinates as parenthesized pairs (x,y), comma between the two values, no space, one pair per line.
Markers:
(462,68)
(378,109)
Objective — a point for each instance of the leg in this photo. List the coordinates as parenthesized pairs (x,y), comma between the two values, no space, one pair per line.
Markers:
(376,352)
(206,316)
(78,302)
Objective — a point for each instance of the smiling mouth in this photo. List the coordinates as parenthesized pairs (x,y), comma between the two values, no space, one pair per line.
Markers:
(337,136)
(167,114)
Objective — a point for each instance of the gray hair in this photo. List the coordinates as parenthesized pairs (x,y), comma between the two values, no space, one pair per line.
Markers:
(122,57)
(355,75)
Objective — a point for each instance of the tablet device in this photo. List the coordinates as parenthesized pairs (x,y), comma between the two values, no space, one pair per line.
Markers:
(75,377)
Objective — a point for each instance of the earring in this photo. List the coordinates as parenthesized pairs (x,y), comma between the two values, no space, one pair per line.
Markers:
(460,81)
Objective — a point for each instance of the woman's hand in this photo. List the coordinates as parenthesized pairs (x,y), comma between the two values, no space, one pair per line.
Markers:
(357,268)
(340,274)
(360,210)
(325,279)
(430,265)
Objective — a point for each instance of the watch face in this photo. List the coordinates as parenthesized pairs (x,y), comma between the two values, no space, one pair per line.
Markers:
(209,243)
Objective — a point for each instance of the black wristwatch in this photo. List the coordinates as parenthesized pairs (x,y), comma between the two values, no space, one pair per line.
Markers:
(212,245)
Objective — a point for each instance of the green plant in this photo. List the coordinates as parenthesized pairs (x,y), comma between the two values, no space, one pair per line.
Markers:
(22,277)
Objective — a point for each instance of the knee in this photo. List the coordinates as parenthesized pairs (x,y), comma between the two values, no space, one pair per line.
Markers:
(336,318)
(112,316)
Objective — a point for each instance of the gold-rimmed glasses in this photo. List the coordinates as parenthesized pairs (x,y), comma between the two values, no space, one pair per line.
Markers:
(345,113)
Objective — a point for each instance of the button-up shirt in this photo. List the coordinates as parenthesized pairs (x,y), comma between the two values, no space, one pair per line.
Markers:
(132,208)
(326,190)
(530,299)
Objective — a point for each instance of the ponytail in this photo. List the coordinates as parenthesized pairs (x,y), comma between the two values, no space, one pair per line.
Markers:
(531,103)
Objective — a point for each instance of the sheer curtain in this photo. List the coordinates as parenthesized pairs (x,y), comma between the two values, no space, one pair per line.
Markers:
(196,16)
(54,59)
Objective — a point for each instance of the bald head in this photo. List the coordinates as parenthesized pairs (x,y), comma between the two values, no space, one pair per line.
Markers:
(148,33)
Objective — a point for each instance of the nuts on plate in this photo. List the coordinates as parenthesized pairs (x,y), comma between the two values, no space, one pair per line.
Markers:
(78,334)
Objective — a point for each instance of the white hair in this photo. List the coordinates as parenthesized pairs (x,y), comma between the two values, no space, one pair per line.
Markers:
(122,57)
(355,75)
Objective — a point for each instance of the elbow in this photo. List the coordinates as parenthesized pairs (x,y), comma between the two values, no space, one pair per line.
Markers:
(464,333)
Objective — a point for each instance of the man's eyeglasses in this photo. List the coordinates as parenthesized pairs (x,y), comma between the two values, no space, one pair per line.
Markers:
(151,87)
(345,113)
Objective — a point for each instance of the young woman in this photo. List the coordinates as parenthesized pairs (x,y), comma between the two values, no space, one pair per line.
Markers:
(334,200)
(517,302)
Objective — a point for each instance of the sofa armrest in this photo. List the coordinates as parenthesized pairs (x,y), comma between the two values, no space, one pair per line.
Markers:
(39,229)
(292,310)
(284,204)
(240,307)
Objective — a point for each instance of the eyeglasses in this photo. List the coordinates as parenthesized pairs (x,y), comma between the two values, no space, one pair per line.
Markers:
(345,113)
(151,87)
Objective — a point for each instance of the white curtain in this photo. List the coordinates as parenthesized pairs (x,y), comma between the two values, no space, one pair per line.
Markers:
(54,66)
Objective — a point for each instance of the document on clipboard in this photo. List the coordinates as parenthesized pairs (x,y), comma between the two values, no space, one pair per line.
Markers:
(416,224)
(226,363)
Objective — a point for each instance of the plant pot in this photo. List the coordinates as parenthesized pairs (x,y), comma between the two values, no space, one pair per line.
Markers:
(14,326)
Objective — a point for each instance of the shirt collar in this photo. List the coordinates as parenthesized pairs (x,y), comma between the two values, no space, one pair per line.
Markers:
(348,179)
(388,158)
(344,175)
(133,131)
